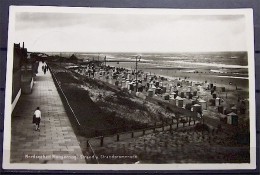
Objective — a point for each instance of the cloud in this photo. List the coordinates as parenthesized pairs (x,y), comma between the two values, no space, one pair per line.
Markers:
(130,32)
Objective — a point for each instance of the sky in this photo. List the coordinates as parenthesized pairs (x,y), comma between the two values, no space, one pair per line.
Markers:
(133,32)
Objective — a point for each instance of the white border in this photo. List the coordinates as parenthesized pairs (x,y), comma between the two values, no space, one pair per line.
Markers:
(227,166)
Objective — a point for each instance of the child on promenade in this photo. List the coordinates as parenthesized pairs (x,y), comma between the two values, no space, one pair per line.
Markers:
(37,118)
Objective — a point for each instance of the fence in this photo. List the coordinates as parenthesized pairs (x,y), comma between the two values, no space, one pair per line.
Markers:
(63,95)
(101,140)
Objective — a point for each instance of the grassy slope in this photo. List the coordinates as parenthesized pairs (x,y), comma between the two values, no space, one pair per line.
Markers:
(107,116)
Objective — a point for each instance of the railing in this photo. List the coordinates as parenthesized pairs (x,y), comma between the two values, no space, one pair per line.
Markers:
(101,140)
(60,89)
(93,151)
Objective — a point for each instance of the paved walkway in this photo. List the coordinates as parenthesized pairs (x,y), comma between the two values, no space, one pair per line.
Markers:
(56,141)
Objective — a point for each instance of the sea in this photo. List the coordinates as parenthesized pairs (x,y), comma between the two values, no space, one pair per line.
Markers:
(225,67)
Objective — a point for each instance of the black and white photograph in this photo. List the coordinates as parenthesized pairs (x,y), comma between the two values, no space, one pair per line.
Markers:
(122,88)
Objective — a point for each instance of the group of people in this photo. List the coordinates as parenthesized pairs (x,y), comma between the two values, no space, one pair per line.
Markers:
(45,68)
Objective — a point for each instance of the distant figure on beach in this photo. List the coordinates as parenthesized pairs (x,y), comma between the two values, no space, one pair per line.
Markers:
(37,118)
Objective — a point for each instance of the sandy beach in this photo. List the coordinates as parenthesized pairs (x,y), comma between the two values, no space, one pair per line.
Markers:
(185,145)
(129,111)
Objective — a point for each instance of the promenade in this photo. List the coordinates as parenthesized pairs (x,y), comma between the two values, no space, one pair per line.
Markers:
(56,141)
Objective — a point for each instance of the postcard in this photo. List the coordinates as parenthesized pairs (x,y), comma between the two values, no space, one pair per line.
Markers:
(129,89)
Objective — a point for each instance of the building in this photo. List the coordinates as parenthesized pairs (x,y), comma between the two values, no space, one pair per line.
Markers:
(24,69)
(16,81)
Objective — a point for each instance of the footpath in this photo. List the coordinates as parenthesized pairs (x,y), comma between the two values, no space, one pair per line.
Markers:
(56,141)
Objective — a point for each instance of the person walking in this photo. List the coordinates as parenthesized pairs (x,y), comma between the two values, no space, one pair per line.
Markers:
(37,118)
(44,70)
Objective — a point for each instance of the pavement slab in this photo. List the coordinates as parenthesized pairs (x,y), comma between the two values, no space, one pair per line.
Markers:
(55,142)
